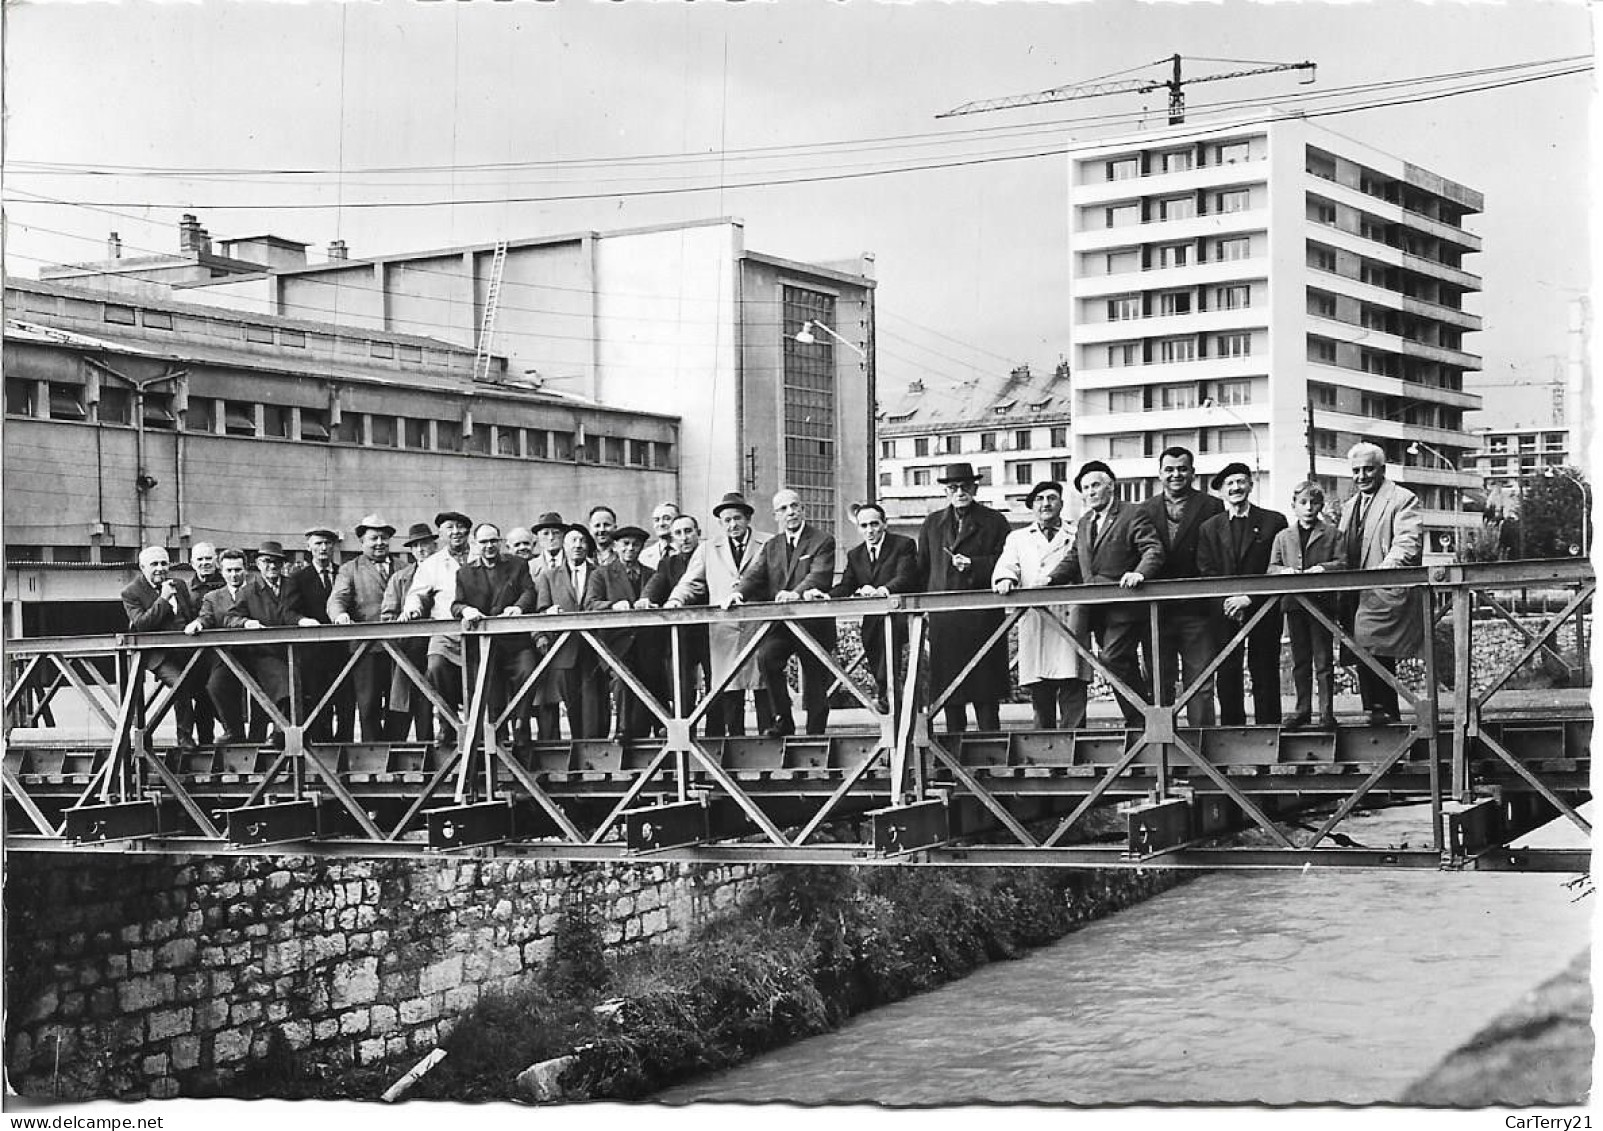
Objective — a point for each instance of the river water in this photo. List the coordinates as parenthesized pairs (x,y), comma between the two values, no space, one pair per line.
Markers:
(1271,986)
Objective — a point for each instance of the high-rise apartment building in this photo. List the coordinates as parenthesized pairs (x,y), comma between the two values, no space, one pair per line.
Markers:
(1272,292)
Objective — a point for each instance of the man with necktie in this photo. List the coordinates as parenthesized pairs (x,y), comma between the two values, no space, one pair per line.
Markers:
(575,586)
(266,601)
(884,563)
(155,602)
(358,598)
(623,585)
(222,685)
(495,586)
(310,587)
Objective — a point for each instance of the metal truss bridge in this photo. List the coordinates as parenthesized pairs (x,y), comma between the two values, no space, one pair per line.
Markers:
(1492,760)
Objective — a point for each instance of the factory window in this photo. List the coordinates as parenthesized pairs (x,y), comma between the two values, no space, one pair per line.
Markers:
(639,453)
(921,446)
(277,421)
(887,449)
(202,415)
(159,411)
(1233,392)
(506,441)
(663,456)
(535,441)
(1232,345)
(156,319)
(294,339)
(987,441)
(1124,308)
(1024,473)
(1235,297)
(20,396)
(381,431)
(260,334)
(120,315)
(612,449)
(66,402)
(448,435)
(314,425)
(381,349)
(116,405)
(1021,440)
(416,433)
(1060,437)
(562,446)
(349,429)
(478,440)
(1123,169)
(409,353)
(239,418)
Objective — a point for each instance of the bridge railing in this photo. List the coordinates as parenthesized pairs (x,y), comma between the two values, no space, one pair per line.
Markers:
(902,766)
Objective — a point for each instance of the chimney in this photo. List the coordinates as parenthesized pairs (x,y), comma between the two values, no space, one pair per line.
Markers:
(114,246)
(203,241)
(337,250)
(916,385)
(188,233)
(1062,371)
(1019,376)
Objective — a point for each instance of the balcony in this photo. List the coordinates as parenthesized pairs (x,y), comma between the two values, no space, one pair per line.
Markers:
(1346,285)
(1344,378)
(1385,253)
(1394,213)
(1169,325)
(1172,231)
(1203,369)
(1254,171)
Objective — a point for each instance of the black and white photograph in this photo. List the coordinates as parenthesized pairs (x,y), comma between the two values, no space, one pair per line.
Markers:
(793,560)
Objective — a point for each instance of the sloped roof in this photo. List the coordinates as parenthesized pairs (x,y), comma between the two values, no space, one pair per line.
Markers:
(1007,398)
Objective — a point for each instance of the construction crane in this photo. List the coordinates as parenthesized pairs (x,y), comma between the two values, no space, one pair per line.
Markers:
(1175,84)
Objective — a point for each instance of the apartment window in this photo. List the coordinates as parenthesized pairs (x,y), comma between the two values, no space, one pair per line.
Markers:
(1060,437)
(1174,302)
(1119,262)
(1185,439)
(920,477)
(1323,396)
(1232,345)
(921,446)
(66,402)
(1234,297)
(1553,441)
(1128,446)
(1024,474)
(1177,349)
(952,445)
(1174,255)
(239,418)
(1121,354)
(278,421)
(1382,364)
(1240,248)
(1373,274)
(448,435)
(1177,396)
(119,315)
(1124,400)
(1177,208)
(1060,470)
(506,444)
(1322,258)
(1321,165)
(1321,349)
(1233,440)
(1135,490)
(1124,308)
(381,431)
(984,475)
(1177,161)
(1372,406)
(1321,304)
(987,441)
(1121,215)
(1233,393)
(314,425)
(1021,440)
(887,449)
(1325,442)
(1232,200)
(417,433)
(1123,169)
(20,396)
(1321,211)
(884,479)
(1231,153)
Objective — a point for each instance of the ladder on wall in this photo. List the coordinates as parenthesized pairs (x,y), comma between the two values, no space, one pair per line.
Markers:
(492,300)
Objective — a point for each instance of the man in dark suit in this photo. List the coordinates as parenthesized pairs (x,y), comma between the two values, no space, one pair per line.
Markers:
(358,598)
(222,685)
(1236,542)
(575,586)
(156,602)
(265,601)
(1186,642)
(695,644)
(958,547)
(207,579)
(495,586)
(797,564)
(310,587)
(883,564)
(1114,543)
(623,584)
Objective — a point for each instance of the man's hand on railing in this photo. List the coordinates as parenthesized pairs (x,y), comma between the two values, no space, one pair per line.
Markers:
(872,591)
(344,618)
(670,603)
(192,628)
(815,595)
(1236,607)
(786,596)
(644,603)
(512,611)
(1131,580)
(308,622)
(731,601)
(621,606)
(1003,585)
(254,624)
(471,617)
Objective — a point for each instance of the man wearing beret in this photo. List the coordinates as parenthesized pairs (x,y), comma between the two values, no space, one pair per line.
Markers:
(957,549)
(265,601)
(358,598)
(409,708)
(1115,544)
(1236,542)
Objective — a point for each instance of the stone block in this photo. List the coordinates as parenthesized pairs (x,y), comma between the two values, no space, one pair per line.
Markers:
(279,880)
(653,922)
(277,1011)
(502,910)
(440,976)
(213,956)
(243,1011)
(298,1034)
(476,965)
(418,1011)
(178,952)
(72,1005)
(355,1023)
(142,960)
(537,952)
(370,1051)
(164,1023)
(193,921)
(89,975)
(230,1045)
(354,983)
(540,1081)
(324,948)
(154,1065)
(130,934)
(461,999)
(185,1052)
(43,1007)
(282,957)
(384,1018)
(211,1014)
(505,963)
(139,994)
(424,1039)
(103,1002)
(160,930)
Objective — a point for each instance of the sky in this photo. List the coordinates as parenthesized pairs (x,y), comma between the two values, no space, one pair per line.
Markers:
(156,109)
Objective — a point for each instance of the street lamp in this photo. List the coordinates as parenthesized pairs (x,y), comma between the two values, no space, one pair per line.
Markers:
(1257,452)
(806,337)
(1551,472)
(1457,503)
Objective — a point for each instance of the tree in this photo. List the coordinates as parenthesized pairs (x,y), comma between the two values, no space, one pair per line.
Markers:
(1550,515)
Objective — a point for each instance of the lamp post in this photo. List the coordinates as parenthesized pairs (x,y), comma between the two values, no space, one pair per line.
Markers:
(1551,472)
(1456,504)
(1257,452)
(806,337)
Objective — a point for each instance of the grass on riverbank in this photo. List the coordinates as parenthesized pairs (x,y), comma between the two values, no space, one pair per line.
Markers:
(824,944)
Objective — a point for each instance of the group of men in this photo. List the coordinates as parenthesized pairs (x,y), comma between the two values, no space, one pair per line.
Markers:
(471,573)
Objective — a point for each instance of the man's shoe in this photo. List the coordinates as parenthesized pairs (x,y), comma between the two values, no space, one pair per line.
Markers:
(275,741)
(1382,718)
(1327,722)
(1299,721)
(228,738)
(780,730)
(186,742)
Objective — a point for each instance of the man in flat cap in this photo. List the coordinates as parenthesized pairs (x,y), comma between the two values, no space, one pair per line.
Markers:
(1115,544)
(409,708)
(358,598)
(958,547)
(310,587)
(1048,664)
(1233,544)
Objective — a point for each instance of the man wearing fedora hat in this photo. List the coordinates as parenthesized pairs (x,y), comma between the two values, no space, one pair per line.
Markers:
(358,598)
(266,601)
(623,585)
(548,533)
(662,516)
(310,586)
(409,708)
(958,547)
(711,577)
(1237,542)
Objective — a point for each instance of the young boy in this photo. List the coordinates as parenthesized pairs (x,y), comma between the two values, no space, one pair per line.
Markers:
(1308,546)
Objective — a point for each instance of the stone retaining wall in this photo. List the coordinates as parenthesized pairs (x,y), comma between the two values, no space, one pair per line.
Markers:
(134,976)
